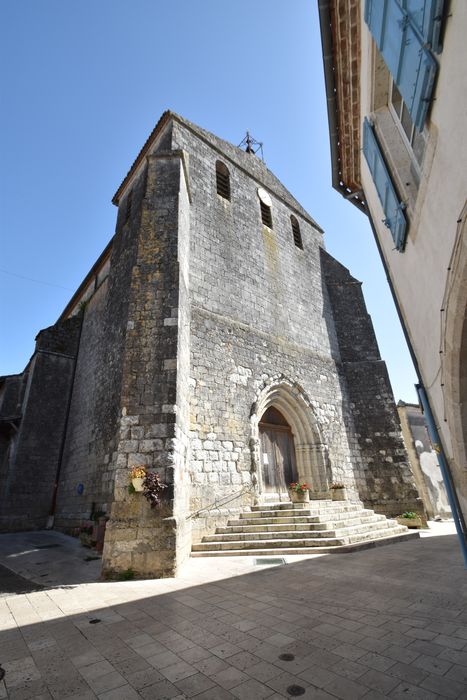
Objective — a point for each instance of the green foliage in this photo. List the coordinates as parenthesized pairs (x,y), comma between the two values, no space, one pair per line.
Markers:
(127,575)
(131,488)
(410,515)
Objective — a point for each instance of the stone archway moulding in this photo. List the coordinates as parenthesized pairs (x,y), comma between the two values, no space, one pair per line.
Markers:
(454,357)
(310,450)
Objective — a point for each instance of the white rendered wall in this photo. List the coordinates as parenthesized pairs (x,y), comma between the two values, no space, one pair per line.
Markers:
(420,275)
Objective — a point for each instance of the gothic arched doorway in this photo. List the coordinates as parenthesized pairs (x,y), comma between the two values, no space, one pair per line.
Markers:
(277,451)
(282,406)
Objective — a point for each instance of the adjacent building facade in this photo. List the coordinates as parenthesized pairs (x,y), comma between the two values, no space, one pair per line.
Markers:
(424,461)
(397,101)
(217,342)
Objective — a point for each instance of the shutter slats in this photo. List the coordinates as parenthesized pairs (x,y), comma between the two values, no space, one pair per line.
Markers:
(266,217)
(426,16)
(222,180)
(411,64)
(393,208)
(297,236)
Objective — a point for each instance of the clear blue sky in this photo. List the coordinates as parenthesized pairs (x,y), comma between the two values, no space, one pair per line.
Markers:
(82,85)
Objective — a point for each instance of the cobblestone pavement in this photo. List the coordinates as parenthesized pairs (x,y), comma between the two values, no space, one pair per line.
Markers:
(388,622)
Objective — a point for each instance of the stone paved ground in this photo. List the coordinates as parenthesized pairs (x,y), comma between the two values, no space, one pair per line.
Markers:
(11,583)
(388,622)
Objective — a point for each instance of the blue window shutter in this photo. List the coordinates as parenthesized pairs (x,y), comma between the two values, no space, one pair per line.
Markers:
(412,66)
(426,16)
(393,208)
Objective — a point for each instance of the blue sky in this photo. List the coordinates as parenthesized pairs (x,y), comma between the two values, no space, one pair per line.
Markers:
(82,85)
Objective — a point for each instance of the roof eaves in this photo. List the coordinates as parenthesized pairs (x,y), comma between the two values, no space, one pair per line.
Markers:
(140,157)
(353,195)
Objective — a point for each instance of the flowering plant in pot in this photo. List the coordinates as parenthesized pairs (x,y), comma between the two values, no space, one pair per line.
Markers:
(338,491)
(299,492)
(410,519)
(137,476)
(147,483)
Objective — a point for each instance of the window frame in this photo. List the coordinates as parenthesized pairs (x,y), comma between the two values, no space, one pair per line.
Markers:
(296,232)
(223,187)
(400,126)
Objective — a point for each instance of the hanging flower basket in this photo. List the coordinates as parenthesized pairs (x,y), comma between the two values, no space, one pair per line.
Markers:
(138,482)
(137,477)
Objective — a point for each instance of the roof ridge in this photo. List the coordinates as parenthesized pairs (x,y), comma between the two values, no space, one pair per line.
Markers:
(249,163)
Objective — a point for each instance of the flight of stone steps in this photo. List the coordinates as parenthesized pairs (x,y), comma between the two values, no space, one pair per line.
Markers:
(298,528)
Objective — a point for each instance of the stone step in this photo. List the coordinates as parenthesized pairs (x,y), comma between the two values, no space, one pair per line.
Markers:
(273,526)
(276,512)
(317,526)
(354,547)
(304,518)
(286,505)
(290,542)
(300,534)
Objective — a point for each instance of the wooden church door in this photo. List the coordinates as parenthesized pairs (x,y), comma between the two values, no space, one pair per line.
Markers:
(277,452)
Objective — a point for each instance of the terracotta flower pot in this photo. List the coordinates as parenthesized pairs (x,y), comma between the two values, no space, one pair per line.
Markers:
(138,483)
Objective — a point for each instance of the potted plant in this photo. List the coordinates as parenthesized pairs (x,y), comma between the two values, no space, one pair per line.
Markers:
(299,492)
(338,491)
(137,476)
(410,519)
(147,483)
(86,534)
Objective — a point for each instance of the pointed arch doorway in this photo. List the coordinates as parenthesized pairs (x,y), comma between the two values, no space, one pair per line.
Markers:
(277,452)
(286,442)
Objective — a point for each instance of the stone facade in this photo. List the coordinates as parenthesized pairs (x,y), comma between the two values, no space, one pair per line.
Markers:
(198,319)
(423,461)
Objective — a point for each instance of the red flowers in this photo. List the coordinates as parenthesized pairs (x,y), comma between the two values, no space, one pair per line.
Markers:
(301,487)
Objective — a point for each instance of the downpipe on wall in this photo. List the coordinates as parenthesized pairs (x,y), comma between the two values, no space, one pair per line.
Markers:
(452,496)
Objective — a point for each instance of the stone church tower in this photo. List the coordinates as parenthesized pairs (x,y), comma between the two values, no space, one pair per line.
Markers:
(215,341)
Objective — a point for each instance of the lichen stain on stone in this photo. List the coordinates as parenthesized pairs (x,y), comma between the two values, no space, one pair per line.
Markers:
(271,252)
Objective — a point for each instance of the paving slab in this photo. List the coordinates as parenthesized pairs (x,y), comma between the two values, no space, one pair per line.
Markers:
(388,622)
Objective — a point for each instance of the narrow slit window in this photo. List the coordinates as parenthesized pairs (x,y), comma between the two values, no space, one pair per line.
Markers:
(222,180)
(297,236)
(266,217)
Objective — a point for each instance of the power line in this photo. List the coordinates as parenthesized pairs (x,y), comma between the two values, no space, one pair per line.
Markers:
(30,279)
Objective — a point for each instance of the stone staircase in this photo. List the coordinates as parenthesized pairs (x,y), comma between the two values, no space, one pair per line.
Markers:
(298,528)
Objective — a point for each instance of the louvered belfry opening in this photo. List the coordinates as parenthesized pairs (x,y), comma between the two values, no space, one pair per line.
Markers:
(222,180)
(266,216)
(297,236)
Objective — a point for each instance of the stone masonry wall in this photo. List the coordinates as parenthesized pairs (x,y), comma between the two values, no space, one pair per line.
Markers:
(91,441)
(388,485)
(152,430)
(258,310)
(29,474)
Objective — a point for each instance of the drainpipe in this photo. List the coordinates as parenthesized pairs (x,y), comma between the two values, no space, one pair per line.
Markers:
(51,518)
(452,496)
